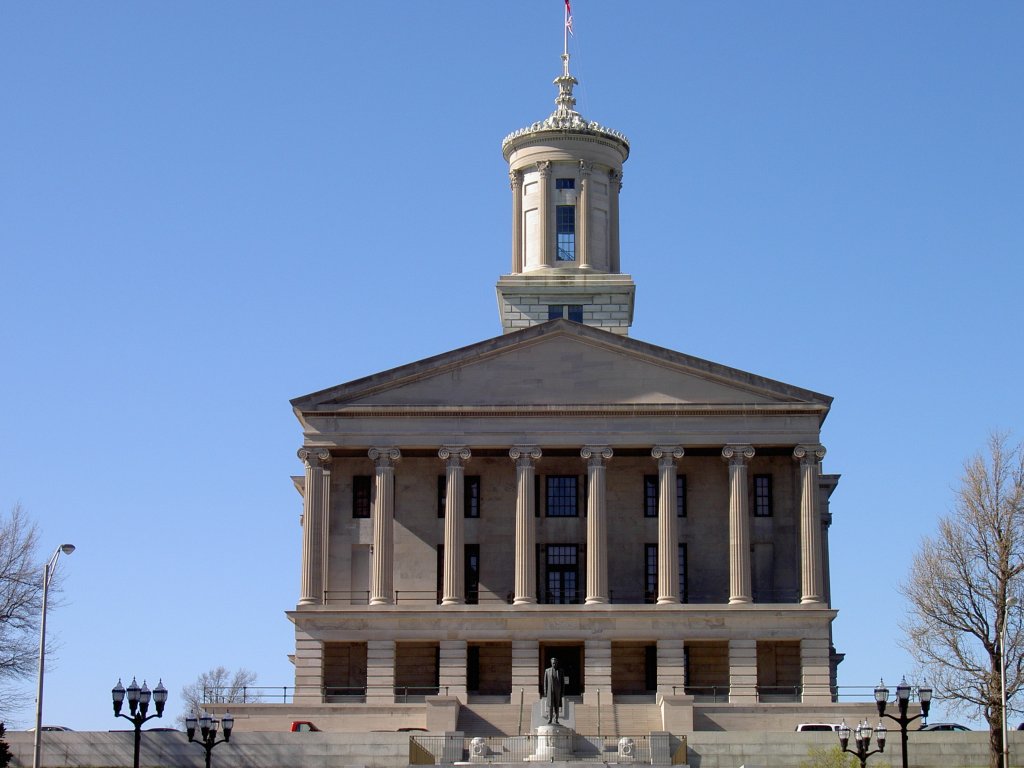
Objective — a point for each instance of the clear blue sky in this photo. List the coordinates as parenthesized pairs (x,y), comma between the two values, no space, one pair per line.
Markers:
(207,209)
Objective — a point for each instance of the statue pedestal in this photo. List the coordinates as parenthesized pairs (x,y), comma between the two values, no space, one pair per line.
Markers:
(554,742)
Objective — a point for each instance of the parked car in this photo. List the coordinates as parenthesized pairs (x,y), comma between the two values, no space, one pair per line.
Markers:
(944,727)
(303,726)
(817,727)
(51,728)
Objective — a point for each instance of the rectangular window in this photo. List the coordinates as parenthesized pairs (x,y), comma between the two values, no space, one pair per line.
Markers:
(762,495)
(562,568)
(651,495)
(565,183)
(362,502)
(470,495)
(565,232)
(684,594)
(562,496)
(471,573)
(650,573)
(572,312)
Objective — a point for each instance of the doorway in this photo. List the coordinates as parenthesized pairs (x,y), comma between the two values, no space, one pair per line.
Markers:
(570,659)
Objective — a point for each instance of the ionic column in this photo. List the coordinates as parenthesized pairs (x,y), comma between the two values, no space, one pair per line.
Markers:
(516,181)
(315,509)
(526,556)
(668,533)
(597,524)
(382,577)
(739,523)
(584,216)
(453,590)
(547,243)
(614,185)
(812,580)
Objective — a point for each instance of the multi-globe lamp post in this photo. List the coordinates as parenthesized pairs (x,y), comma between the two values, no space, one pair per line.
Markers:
(862,736)
(208,731)
(903,692)
(138,706)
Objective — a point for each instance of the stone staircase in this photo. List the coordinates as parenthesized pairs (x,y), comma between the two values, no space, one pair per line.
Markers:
(632,719)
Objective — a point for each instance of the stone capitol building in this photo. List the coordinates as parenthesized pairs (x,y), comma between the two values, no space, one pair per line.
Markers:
(657,522)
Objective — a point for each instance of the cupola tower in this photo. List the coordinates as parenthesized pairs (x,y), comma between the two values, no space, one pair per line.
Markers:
(565,174)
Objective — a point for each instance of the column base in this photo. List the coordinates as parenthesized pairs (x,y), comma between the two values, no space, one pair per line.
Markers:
(811,600)
(596,601)
(524,601)
(740,600)
(668,600)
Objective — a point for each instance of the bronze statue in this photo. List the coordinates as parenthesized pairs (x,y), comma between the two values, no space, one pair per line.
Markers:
(554,683)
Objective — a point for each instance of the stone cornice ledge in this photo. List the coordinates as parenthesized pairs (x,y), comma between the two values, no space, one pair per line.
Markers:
(546,411)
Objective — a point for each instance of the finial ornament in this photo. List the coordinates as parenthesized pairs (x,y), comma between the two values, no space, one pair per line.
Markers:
(565,117)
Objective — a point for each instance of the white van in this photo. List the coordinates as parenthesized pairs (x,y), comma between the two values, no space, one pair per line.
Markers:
(817,727)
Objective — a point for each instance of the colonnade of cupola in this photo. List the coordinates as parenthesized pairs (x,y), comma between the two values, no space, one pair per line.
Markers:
(565,175)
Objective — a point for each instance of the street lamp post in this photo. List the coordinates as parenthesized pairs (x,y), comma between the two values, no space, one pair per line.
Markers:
(48,569)
(1010,602)
(208,729)
(138,705)
(862,735)
(903,691)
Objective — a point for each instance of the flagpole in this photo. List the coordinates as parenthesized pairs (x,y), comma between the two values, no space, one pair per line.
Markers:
(565,32)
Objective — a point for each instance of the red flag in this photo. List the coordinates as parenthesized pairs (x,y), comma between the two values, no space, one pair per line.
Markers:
(568,17)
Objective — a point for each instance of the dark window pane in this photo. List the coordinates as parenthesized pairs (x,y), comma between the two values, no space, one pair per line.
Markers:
(681,495)
(565,183)
(650,573)
(683,595)
(471,496)
(762,495)
(565,228)
(650,495)
(471,573)
(562,495)
(555,311)
(361,495)
(575,312)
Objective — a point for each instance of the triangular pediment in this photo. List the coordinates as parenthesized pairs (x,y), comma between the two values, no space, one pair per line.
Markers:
(560,363)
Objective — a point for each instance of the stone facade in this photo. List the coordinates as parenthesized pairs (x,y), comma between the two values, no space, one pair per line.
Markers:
(657,521)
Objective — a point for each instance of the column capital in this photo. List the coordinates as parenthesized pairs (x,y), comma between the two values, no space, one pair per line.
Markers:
(585,168)
(596,454)
(615,177)
(738,453)
(809,453)
(515,179)
(668,452)
(524,453)
(544,167)
(315,457)
(454,454)
(384,457)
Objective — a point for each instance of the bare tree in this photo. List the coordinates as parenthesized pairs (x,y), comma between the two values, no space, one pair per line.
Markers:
(958,588)
(219,686)
(21,593)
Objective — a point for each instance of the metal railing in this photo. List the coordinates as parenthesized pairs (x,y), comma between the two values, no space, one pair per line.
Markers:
(622,597)
(407,693)
(473,597)
(284,694)
(446,750)
(249,694)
